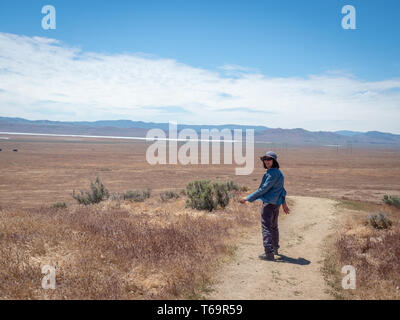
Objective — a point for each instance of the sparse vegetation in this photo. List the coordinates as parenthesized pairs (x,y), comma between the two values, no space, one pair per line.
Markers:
(207,195)
(105,252)
(231,185)
(200,195)
(30,239)
(137,195)
(379,221)
(221,192)
(116,196)
(374,252)
(59,205)
(97,193)
(168,195)
(391,200)
(376,258)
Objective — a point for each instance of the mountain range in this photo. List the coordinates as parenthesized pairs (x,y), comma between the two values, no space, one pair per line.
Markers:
(263,134)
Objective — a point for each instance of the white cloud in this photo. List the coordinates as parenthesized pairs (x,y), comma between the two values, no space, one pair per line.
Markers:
(43,78)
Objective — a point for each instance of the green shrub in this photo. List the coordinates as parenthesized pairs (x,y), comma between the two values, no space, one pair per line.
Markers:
(207,195)
(391,200)
(379,221)
(167,195)
(137,195)
(59,205)
(232,185)
(115,196)
(200,195)
(221,193)
(97,193)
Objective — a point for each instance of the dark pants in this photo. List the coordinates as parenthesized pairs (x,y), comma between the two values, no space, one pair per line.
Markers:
(269,226)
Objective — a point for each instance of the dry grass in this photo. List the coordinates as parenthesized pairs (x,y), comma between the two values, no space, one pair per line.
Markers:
(117,249)
(374,253)
(156,249)
(45,169)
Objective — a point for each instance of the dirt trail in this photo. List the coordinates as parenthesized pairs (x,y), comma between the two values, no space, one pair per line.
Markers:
(296,274)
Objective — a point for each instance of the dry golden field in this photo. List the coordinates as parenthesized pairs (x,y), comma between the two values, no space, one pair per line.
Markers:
(45,170)
(117,249)
(374,253)
(154,249)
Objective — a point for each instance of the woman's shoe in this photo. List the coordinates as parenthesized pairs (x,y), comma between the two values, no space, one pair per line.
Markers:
(267,256)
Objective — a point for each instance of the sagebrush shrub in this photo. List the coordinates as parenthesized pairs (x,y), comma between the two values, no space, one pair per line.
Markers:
(221,193)
(207,195)
(98,192)
(137,195)
(391,200)
(379,221)
(167,195)
(200,195)
(232,185)
(115,196)
(59,205)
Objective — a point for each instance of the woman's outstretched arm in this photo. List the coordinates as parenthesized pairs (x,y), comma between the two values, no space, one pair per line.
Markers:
(264,188)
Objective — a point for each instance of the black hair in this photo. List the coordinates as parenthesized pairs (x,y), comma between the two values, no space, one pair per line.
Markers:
(275,164)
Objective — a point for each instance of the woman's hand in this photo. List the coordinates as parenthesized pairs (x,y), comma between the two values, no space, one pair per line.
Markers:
(243,200)
(285,208)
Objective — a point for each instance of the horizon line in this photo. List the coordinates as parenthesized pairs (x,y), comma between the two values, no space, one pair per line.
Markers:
(186,124)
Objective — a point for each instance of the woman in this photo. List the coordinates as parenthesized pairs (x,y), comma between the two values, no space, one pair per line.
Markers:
(272,193)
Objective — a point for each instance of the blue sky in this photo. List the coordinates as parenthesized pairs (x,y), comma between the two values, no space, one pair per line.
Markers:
(237,45)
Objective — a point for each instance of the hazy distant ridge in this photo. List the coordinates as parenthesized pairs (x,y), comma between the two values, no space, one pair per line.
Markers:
(129,128)
(128,124)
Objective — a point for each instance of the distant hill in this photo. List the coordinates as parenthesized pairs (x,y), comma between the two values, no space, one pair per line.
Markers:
(347,133)
(128,128)
(126,124)
(301,137)
(54,127)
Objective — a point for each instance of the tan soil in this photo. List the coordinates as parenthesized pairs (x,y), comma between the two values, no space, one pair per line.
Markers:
(296,273)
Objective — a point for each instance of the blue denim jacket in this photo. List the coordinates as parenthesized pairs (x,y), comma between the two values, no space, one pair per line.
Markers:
(271,189)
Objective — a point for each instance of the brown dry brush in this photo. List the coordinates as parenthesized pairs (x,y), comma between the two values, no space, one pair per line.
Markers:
(114,253)
(376,259)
